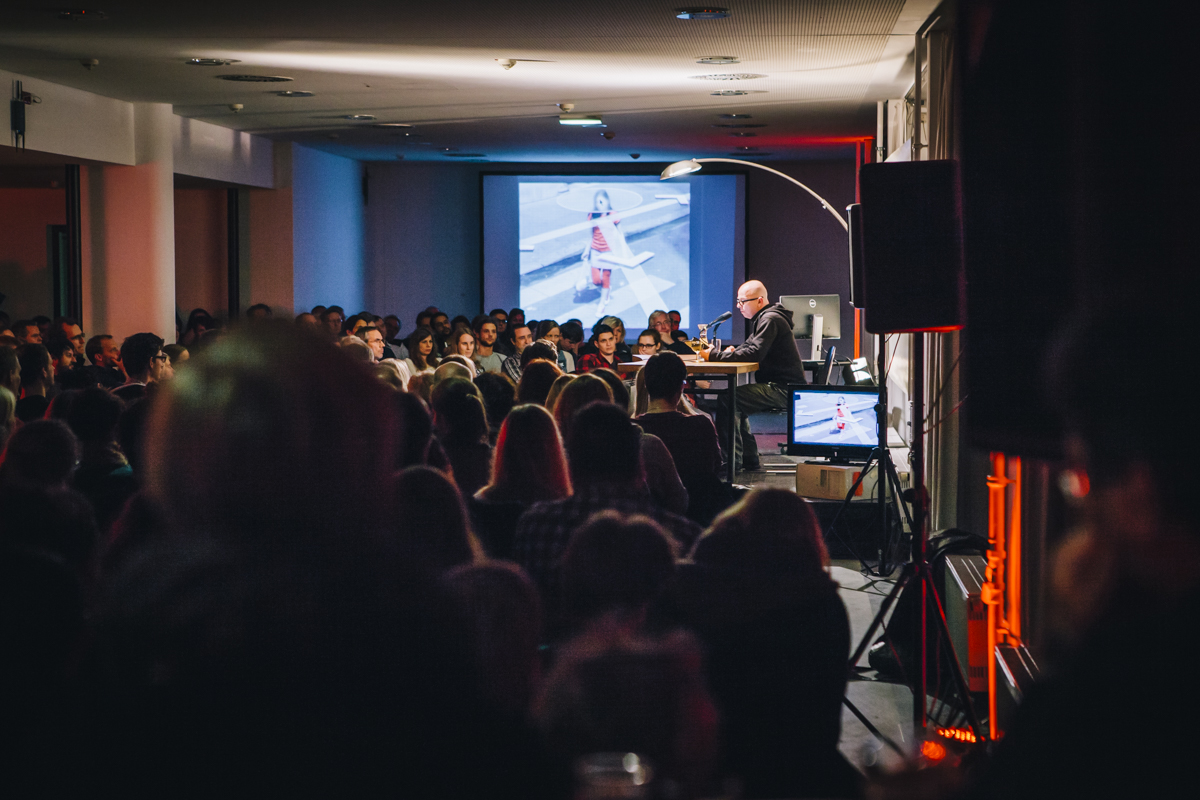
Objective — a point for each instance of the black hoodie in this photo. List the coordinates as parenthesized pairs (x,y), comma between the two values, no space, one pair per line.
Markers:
(770,343)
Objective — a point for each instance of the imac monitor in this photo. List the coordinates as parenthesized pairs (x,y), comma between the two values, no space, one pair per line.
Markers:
(803,306)
(836,422)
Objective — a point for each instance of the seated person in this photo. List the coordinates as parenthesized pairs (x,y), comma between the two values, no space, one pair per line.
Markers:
(663,327)
(647,344)
(604,453)
(778,637)
(690,438)
(37,380)
(605,355)
(529,467)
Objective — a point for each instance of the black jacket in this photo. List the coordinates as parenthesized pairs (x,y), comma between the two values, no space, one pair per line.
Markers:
(770,343)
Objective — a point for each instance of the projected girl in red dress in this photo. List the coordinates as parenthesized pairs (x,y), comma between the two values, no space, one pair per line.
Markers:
(602,273)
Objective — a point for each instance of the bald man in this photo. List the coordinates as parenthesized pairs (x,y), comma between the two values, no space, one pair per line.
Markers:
(771,346)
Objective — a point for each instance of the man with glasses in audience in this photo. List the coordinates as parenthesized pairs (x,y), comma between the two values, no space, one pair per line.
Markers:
(660,322)
(648,344)
(145,363)
(771,345)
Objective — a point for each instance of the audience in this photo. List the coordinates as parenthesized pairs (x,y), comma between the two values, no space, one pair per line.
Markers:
(604,455)
(269,571)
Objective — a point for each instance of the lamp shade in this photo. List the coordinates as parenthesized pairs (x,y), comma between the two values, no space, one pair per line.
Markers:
(679,168)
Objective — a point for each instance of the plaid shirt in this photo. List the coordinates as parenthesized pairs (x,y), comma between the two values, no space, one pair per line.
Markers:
(545,529)
(595,361)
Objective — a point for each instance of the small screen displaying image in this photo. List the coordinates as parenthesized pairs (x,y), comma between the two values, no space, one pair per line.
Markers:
(593,248)
(833,418)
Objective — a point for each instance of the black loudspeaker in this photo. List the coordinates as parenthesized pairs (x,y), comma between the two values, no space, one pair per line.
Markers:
(912,247)
(858,294)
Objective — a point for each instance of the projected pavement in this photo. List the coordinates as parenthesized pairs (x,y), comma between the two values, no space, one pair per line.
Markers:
(648,257)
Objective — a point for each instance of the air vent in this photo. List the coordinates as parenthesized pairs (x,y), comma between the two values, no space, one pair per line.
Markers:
(718,60)
(211,62)
(293,94)
(729,93)
(254,78)
(728,76)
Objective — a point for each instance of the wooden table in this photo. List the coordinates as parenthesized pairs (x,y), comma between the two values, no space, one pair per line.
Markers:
(727,371)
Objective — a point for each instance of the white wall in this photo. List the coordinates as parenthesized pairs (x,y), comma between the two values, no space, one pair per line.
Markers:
(327,232)
(75,123)
(204,150)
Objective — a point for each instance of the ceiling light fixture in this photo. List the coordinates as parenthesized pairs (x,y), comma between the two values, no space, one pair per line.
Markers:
(253,78)
(727,76)
(359,117)
(211,62)
(718,60)
(292,94)
(736,116)
(579,119)
(729,93)
(739,125)
(701,12)
(392,125)
(680,168)
(743,133)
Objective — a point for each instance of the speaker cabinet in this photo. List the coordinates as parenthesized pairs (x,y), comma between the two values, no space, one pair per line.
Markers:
(912,247)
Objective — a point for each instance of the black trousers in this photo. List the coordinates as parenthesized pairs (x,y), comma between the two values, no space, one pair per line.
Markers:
(751,398)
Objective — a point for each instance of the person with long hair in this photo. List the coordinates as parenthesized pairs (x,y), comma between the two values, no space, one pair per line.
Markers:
(529,466)
(421,355)
(462,343)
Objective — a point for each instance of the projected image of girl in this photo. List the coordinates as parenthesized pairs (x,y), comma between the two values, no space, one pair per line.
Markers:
(605,239)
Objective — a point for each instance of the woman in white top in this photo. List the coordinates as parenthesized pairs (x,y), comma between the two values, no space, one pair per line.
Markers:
(421,357)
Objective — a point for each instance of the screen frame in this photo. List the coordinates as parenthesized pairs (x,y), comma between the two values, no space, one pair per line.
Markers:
(849,453)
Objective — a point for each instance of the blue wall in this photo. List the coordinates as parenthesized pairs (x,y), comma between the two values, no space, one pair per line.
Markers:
(327,233)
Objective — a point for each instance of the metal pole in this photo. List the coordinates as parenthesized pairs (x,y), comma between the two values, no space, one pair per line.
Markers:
(73,287)
(920,537)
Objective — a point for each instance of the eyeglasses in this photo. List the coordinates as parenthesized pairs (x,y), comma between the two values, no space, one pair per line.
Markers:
(739,303)
(160,357)
(644,346)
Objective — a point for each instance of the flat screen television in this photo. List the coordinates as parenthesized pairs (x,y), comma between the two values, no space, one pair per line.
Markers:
(834,422)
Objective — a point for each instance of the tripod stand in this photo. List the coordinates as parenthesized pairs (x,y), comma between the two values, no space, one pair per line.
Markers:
(918,568)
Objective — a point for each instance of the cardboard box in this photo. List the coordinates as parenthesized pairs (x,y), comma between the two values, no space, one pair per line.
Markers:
(832,482)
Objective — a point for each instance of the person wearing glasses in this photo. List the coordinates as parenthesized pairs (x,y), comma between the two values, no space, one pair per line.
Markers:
(145,363)
(771,346)
(648,344)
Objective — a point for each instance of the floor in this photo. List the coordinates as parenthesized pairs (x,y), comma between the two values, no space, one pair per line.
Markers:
(887,705)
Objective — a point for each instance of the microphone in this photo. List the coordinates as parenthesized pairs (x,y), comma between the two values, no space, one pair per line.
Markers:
(720,319)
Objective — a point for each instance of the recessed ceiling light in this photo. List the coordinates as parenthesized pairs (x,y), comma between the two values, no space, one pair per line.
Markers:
(448,149)
(727,76)
(392,125)
(293,94)
(701,12)
(254,78)
(729,93)
(748,147)
(211,62)
(359,117)
(718,60)
(80,14)
(735,116)
(739,125)
(743,133)
(579,119)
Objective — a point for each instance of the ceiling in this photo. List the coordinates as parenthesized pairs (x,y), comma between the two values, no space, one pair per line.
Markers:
(821,67)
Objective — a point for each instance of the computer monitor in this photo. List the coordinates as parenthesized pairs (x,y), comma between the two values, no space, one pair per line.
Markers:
(803,306)
(836,422)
